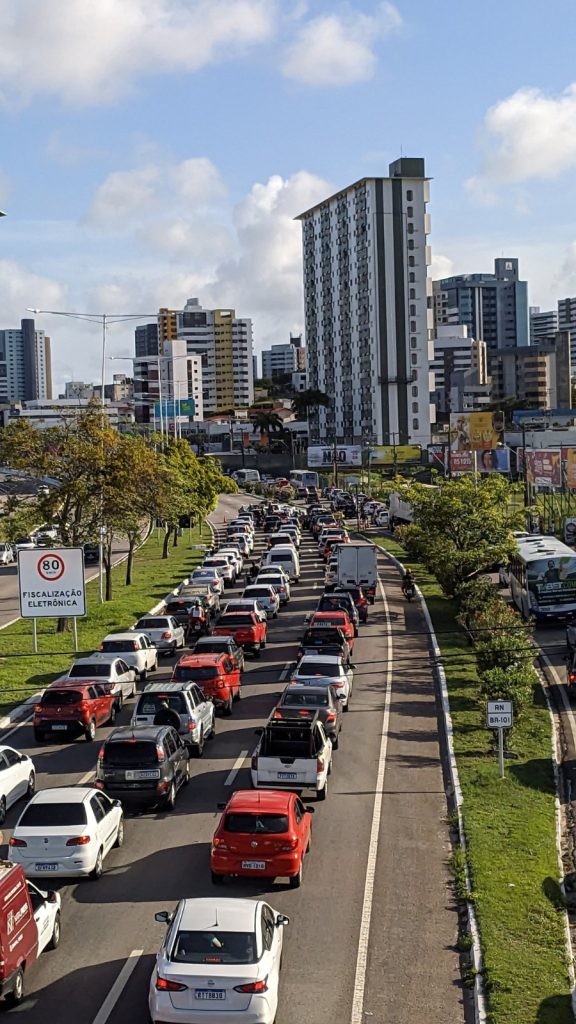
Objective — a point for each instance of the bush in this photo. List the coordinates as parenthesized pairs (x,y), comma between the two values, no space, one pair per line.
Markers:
(515,683)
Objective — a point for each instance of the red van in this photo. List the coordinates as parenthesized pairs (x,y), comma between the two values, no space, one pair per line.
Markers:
(29,924)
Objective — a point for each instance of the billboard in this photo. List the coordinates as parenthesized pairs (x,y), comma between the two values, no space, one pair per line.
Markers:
(461,462)
(544,419)
(475,431)
(495,460)
(325,457)
(395,455)
(51,583)
(569,454)
(543,467)
(179,407)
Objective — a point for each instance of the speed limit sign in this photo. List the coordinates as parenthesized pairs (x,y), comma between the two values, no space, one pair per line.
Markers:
(51,583)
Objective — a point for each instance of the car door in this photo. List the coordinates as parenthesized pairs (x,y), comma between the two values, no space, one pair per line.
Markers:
(302,822)
(106,820)
(149,652)
(233,672)
(204,709)
(16,775)
(173,755)
(125,676)
(99,698)
(271,949)
(178,630)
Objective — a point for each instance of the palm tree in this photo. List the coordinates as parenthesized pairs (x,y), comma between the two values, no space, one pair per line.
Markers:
(267,423)
(309,399)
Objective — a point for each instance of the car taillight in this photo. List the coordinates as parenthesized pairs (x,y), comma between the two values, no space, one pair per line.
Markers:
(37,709)
(253,986)
(254,763)
(101,754)
(219,843)
(191,725)
(330,717)
(167,635)
(78,841)
(572,677)
(319,764)
(164,985)
(159,751)
(281,590)
(290,845)
(17,842)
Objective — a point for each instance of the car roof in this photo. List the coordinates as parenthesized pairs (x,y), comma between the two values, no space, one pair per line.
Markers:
(149,615)
(70,794)
(297,685)
(74,684)
(254,586)
(322,657)
(100,656)
(254,800)
(203,641)
(132,734)
(191,660)
(231,914)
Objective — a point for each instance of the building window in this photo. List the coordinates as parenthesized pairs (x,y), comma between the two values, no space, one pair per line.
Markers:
(414,406)
(415,425)
(412,276)
(413,326)
(410,227)
(413,342)
(411,261)
(410,211)
(410,243)
(409,195)
(414,358)
(412,310)
(412,293)
(414,392)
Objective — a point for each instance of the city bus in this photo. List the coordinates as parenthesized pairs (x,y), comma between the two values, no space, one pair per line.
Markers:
(543,578)
(304,478)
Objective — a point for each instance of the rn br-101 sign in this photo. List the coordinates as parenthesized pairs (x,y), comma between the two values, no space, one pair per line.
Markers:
(51,583)
(499,714)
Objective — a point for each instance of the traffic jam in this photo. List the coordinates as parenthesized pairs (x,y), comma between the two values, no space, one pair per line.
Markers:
(221,955)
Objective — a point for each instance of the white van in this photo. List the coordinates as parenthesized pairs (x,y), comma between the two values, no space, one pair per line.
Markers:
(286,556)
(246,476)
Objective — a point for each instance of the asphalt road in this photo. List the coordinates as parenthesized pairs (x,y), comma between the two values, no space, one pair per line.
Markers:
(373,928)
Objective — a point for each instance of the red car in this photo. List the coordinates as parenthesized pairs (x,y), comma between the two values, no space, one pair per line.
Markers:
(217,675)
(247,629)
(73,708)
(262,835)
(338,619)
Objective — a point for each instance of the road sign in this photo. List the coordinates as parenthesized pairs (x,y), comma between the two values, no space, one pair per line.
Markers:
(499,714)
(51,583)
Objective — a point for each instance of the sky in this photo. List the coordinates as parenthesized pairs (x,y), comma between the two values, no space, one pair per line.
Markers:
(154,150)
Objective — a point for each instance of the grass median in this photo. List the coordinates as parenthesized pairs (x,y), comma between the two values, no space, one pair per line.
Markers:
(510,828)
(22,673)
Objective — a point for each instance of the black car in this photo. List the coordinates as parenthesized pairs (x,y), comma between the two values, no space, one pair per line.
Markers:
(91,553)
(325,640)
(305,701)
(144,766)
(221,645)
(340,599)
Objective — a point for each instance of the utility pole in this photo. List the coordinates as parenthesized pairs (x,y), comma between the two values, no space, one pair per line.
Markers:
(525,467)
(335,453)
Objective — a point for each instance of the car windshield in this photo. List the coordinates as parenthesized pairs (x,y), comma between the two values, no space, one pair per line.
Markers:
(194,673)
(152,624)
(254,823)
(51,815)
(150,703)
(318,668)
(307,700)
(204,574)
(61,697)
(280,557)
(130,752)
(214,947)
(95,668)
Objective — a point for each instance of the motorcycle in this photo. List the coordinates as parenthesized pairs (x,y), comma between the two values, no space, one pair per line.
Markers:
(409,591)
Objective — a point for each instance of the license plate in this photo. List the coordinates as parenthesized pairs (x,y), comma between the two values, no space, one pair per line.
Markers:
(287,775)
(209,993)
(56,726)
(133,776)
(255,865)
(46,867)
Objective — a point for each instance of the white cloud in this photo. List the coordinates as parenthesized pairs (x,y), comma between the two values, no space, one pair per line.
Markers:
(338,49)
(90,53)
(441,266)
(21,287)
(528,135)
(125,193)
(197,181)
(145,192)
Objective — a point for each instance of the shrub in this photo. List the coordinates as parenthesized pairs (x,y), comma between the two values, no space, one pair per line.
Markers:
(515,683)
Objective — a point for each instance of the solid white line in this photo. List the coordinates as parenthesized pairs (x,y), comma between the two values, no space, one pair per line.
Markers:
(236,768)
(562,691)
(357,1016)
(285,671)
(118,987)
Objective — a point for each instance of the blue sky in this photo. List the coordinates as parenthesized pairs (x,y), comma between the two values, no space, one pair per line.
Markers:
(158,149)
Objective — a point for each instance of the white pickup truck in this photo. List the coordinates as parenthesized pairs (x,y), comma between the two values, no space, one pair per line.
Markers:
(293,754)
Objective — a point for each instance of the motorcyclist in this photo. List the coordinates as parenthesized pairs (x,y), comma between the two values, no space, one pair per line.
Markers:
(571,635)
(198,615)
(167,716)
(251,572)
(408,581)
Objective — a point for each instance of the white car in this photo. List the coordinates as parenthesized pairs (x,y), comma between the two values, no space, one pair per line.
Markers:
(6,554)
(223,566)
(294,533)
(220,961)
(66,832)
(327,666)
(247,604)
(382,519)
(165,633)
(105,668)
(46,907)
(208,575)
(266,596)
(136,649)
(278,579)
(17,778)
(235,530)
(233,554)
(241,542)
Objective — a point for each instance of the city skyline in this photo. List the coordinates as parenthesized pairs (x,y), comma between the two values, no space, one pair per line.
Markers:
(139,173)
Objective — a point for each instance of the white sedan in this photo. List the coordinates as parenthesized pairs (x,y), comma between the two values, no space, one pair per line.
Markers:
(136,649)
(278,579)
(17,778)
(211,576)
(220,960)
(326,666)
(106,668)
(266,596)
(66,832)
(224,567)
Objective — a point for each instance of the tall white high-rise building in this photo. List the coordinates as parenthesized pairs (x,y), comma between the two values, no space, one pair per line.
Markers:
(169,379)
(224,343)
(25,364)
(367,297)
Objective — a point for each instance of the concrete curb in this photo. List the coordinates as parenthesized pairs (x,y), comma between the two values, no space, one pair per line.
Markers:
(455,796)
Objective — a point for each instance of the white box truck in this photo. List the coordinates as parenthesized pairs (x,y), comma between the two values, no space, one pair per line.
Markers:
(356,567)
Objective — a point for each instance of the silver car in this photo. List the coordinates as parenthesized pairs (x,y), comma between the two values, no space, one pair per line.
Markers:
(314,667)
(165,633)
(266,595)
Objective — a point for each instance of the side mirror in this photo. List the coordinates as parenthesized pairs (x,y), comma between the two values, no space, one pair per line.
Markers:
(281,920)
(117,803)
(163,917)
(310,810)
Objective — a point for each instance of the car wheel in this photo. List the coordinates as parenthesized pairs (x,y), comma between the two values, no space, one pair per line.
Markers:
(228,708)
(17,994)
(213,729)
(2,810)
(120,701)
(355,631)
(335,741)
(346,706)
(256,651)
(238,693)
(143,678)
(112,718)
(56,933)
(296,880)
(186,778)
(90,732)
(98,868)
(322,793)
(154,666)
(120,833)
(199,747)
(171,798)
(31,788)
(38,735)
(217,879)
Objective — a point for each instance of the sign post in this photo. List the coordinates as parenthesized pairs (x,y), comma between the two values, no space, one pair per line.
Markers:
(500,716)
(51,585)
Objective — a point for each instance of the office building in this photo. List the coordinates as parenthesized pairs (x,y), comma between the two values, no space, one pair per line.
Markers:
(494,307)
(25,364)
(162,383)
(538,375)
(567,322)
(280,360)
(146,341)
(543,324)
(460,362)
(224,343)
(368,325)
(255,367)
(297,343)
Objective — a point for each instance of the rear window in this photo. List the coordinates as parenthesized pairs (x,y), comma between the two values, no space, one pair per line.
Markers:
(50,815)
(114,646)
(150,703)
(214,947)
(305,700)
(152,624)
(282,557)
(95,668)
(256,823)
(196,674)
(258,591)
(318,668)
(212,647)
(237,620)
(61,697)
(130,752)
(178,608)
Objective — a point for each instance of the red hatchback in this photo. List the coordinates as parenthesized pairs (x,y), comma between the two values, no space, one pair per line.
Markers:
(73,708)
(337,619)
(262,835)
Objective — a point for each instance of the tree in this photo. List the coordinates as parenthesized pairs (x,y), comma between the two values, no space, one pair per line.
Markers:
(267,422)
(306,400)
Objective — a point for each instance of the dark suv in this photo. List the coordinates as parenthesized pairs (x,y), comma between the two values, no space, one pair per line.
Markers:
(145,766)
(221,645)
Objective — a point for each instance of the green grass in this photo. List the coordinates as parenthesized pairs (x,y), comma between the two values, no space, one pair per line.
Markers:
(23,673)
(510,829)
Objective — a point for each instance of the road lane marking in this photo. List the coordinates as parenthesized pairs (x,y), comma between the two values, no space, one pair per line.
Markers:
(564,698)
(357,1016)
(236,768)
(285,671)
(118,987)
